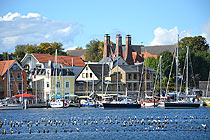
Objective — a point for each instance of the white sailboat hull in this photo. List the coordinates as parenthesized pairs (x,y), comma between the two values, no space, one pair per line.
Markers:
(57,104)
(11,107)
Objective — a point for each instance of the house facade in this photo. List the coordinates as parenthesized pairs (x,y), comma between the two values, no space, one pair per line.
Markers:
(91,78)
(34,61)
(48,85)
(13,79)
(135,81)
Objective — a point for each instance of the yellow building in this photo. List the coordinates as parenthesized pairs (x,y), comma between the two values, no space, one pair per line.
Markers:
(44,83)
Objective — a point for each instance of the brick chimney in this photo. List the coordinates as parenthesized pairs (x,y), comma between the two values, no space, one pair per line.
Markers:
(128,51)
(106,45)
(118,50)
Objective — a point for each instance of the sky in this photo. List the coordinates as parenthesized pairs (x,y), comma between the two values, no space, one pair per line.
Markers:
(76,22)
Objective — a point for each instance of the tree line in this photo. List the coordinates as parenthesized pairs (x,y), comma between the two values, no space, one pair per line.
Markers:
(43,48)
(199,63)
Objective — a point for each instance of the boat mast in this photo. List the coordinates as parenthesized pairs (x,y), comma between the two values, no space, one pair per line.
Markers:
(187,76)
(177,68)
(117,76)
(102,78)
(8,80)
(160,77)
(207,89)
(56,71)
(145,83)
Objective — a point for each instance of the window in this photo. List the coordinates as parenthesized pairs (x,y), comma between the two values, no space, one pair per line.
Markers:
(19,76)
(91,75)
(135,86)
(148,86)
(148,76)
(86,68)
(81,88)
(48,84)
(67,84)
(42,84)
(86,75)
(129,86)
(20,86)
(118,88)
(135,76)
(129,76)
(11,87)
(58,85)
(12,78)
(83,75)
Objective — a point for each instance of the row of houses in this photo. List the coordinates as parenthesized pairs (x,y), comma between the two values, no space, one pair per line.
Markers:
(121,71)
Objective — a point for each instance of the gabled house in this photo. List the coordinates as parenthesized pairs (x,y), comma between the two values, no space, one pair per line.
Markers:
(13,79)
(90,78)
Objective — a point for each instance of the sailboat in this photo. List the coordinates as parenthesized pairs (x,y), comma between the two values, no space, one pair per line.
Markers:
(206,101)
(148,101)
(182,103)
(58,102)
(122,101)
(8,103)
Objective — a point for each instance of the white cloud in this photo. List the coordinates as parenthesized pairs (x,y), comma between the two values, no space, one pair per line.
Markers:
(34,29)
(206,31)
(165,36)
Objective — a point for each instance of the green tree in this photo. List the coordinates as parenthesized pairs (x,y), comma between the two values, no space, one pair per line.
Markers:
(199,58)
(94,51)
(20,52)
(5,56)
(78,48)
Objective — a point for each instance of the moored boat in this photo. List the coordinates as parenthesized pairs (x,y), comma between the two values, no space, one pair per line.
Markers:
(181,105)
(126,102)
(87,103)
(58,104)
(10,106)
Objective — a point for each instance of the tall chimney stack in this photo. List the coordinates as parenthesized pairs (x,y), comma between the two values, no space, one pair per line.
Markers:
(118,50)
(128,51)
(106,45)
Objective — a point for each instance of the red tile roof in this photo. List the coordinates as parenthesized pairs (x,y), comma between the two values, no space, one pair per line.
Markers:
(146,54)
(4,66)
(63,60)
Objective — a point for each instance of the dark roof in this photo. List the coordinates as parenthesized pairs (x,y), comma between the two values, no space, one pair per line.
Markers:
(76,52)
(97,69)
(134,68)
(156,50)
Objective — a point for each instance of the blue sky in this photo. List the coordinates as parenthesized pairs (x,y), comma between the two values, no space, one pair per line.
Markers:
(76,22)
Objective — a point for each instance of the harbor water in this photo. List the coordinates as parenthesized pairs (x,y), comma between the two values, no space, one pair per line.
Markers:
(98,123)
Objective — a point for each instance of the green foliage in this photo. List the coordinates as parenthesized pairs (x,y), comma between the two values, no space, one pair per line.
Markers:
(94,51)
(167,59)
(199,62)
(78,48)
(197,43)
(199,58)
(5,56)
(151,62)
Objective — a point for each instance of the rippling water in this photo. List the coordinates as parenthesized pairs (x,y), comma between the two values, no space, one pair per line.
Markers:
(96,123)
